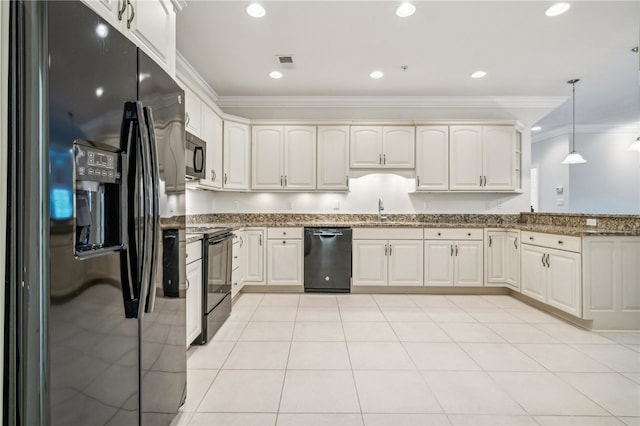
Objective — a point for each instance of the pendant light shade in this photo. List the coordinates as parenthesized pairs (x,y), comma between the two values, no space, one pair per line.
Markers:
(636,145)
(574,157)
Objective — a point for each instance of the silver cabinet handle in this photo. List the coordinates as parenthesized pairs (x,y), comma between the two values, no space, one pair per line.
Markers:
(380,159)
(122,9)
(281,180)
(188,285)
(451,250)
(241,241)
(187,119)
(456,249)
(548,263)
(485,181)
(213,174)
(480,180)
(390,249)
(260,240)
(515,243)
(133,15)
(225,178)
(417,180)
(490,241)
(347,180)
(386,250)
(543,255)
(285,180)
(384,159)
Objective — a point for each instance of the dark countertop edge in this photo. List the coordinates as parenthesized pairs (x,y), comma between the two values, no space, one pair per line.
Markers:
(547,229)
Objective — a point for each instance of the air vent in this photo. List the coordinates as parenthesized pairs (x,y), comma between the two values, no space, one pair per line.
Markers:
(284,59)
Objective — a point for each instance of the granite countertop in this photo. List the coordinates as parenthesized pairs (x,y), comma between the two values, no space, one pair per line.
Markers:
(550,229)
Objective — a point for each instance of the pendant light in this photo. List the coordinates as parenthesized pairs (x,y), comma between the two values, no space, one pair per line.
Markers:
(574,157)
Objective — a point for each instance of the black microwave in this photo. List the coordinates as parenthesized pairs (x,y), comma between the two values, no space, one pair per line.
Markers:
(195,159)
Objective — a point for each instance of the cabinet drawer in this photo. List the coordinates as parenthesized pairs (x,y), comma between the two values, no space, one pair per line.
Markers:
(280,233)
(387,234)
(194,251)
(453,234)
(557,241)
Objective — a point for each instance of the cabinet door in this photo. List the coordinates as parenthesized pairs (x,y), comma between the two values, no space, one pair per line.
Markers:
(300,157)
(468,267)
(192,112)
(512,256)
(405,262)
(533,273)
(236,156)
(194,300)
(211,129)
(333,158)
(496,258)
(266,157)
(154,27)
(369,262)
(366,147)
(438,263)
(432,158)
(254,242)
(498,158)
(284,262)
(107,9)
(564,281)
(398,147)
(465,155)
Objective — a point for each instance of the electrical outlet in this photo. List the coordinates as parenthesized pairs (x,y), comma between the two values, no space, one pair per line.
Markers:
(289,205)
(560,201)
(499,205)
(236,205)
(426,205)
(336,204)
(592,222)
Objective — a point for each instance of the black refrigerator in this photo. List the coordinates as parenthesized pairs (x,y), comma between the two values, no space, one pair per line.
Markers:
(98,138)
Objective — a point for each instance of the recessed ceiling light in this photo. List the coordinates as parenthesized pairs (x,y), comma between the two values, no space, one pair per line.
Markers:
(275,74)
(102,30)
(256,10)
(99,91)
(536,128)
(376,74)
(405,9)
(478,74)
(557,9)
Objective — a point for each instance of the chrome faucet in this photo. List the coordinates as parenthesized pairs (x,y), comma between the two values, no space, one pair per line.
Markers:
(381,217)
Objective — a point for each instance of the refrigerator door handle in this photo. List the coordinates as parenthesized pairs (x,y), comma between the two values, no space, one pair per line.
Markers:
(155,210)
(133,260)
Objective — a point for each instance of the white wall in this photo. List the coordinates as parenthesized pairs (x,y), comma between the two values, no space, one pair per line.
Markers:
(395,191)
(547,155)
(609,183)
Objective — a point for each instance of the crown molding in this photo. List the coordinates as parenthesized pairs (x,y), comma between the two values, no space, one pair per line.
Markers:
(188,74)
(584,128)
(390,101)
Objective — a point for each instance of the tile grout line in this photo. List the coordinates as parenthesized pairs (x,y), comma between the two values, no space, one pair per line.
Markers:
(286,365)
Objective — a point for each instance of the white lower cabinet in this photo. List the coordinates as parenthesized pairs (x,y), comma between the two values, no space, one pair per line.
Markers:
(453,262)
(194,290)
(552,275)
(502,261)
(611,271)
(237,262)
(387,262)
(284,256)
(254,240)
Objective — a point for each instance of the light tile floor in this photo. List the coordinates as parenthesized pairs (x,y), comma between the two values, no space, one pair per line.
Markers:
(289,359)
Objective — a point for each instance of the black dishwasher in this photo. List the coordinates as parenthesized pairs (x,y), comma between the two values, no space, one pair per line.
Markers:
(327,260)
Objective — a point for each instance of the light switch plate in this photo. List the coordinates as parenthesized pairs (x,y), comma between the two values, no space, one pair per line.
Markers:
(336,204)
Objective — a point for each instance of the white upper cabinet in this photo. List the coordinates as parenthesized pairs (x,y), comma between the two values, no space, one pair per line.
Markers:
(432,158)
(333,158)
(192,113)
(499,157)
(300,157)
(284,157)
(150,24)
(366,147)
(212,135)
(267,158)
(236,155)
(374,147)
(398,147)
(465,153)
(153,24)
(482,158)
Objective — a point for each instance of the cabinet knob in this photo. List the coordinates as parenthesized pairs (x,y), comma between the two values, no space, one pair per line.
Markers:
(530,238)
(439,233)
(284,233)
(284,242)
(560,242)
(468,234)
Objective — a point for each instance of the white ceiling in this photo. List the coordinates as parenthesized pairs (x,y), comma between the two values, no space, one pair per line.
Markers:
(336,44)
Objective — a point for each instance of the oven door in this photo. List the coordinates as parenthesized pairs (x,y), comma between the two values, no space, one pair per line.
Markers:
(218,284)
